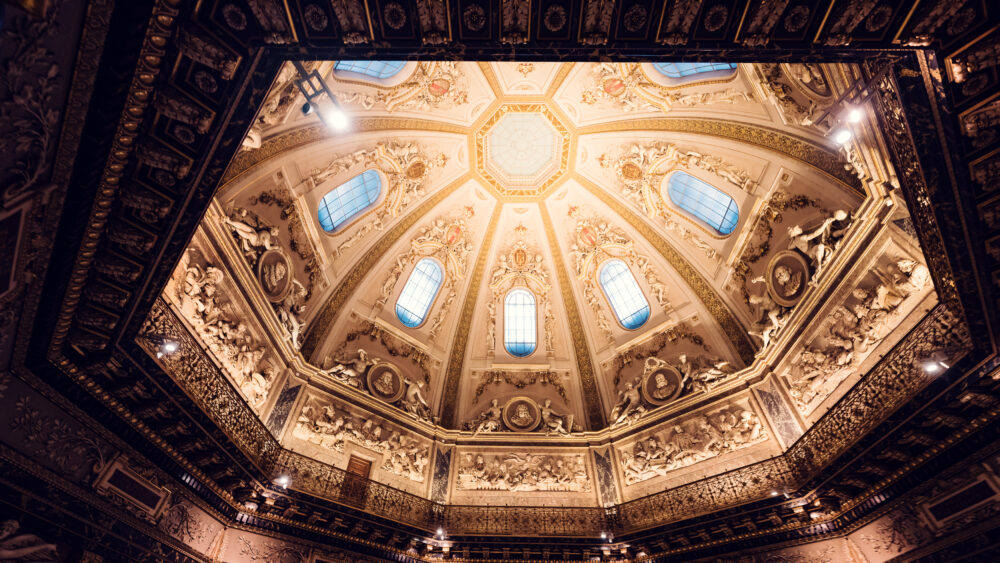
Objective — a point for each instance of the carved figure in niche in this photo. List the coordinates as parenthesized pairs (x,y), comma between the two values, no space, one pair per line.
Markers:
(252,240)
(553,422)
(489,420)
(522,415)
(691,441)
(664,388)
(628,407)
(491,329)
(787,281)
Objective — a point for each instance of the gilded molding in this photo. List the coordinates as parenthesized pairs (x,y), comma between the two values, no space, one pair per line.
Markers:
(584,362)
(357,272)
(715,305)
(453,375)
(824,160)
(273,147)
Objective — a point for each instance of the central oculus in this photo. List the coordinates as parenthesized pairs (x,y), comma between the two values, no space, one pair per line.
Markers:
(521,144)
(522,149)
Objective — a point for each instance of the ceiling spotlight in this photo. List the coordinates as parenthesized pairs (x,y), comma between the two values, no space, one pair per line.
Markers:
(774,493)
(440,532)
(854,115)
(932,367)
(604,535)
(320,99)
(284,481)
(842,136)
(165,346)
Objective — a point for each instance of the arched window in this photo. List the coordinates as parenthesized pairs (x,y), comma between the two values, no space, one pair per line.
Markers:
(683,70)
(703,200)
(419,292)
(623,293)
(519,326)
(349,199)
(375,69)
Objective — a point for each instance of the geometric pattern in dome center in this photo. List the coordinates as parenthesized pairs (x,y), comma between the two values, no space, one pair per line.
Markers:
(522,149)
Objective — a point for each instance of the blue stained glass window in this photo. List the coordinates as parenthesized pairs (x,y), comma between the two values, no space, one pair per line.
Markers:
(349,199)
(375,69)
(519,323)
(682,70)
(623,293)
(419,292)
(704,201)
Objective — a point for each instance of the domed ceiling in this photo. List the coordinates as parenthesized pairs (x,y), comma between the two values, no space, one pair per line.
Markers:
(555,256)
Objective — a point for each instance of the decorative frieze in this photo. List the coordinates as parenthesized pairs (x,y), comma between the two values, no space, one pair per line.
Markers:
(521,471)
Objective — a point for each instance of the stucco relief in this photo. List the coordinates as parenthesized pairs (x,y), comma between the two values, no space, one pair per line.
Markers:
(219,324)
(687,442)
(259,243)
(406,167)
(626,86)
(332,425)
(448,240)
(641,170)
(434,85)
(595,240)
(381,380)
(520,265)
(797,90)
(522,472)
(854,329)
(814,247)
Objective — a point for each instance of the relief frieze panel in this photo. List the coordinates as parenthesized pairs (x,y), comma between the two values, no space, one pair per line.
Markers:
(333,426)
(854,329)
(521,471)
(704,436)
(202,293)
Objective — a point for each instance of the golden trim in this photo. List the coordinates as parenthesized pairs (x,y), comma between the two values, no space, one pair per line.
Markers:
(715,305)
(357,272)
(276,146)
(456,360)
(816,156)
(584,362)
(557,82)
(491,79)
(542,188)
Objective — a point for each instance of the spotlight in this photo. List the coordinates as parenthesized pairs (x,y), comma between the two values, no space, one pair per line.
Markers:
(841,136)
(164,346)
(774,493)
(854,115)
(284,481)
(604,535)
(440,533)
(320,99)
(932,367)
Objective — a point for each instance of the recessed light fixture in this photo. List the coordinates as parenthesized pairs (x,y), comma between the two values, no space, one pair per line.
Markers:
(854,115)
(841,136)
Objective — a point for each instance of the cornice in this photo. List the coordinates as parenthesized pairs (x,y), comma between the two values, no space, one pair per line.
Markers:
(820,158)
(287,141)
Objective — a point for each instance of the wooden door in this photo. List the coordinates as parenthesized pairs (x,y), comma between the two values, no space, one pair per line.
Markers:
(356,481)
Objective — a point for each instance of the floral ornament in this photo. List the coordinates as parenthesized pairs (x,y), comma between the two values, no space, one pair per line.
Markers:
(394,15)
(554,18)
(28,118)
(315,17)
(635,18)
(474,17)
(716,17)
(796,19)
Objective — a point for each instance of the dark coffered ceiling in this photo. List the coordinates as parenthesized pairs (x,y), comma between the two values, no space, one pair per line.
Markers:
(137,194)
